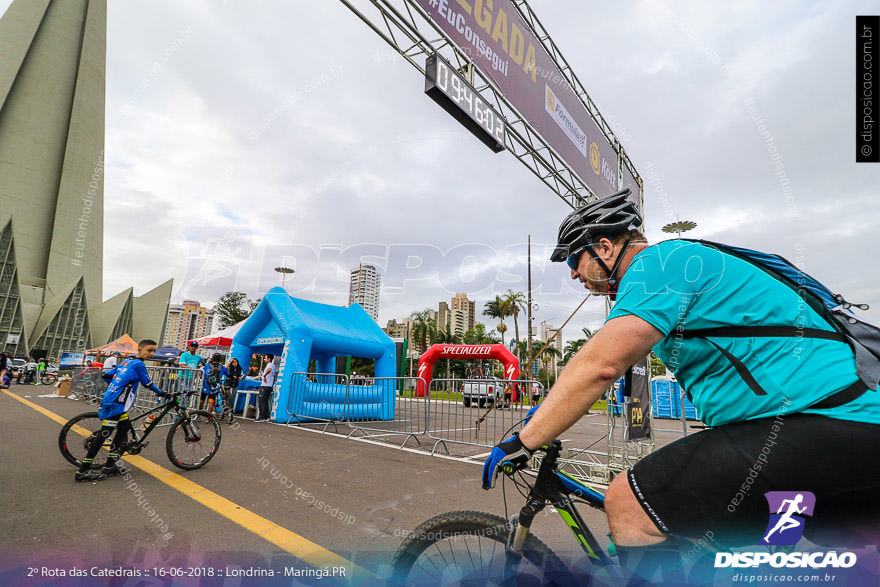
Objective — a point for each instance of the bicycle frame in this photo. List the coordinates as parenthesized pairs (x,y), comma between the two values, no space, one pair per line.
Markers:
(164,408)
(555,488)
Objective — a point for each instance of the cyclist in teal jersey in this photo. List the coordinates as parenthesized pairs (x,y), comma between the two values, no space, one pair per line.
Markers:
(776,423)
(189,361)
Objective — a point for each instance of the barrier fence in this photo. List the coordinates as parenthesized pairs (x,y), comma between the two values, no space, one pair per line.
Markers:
(410,410)
(316,393)
(456,416)
(90,385)
(476,413)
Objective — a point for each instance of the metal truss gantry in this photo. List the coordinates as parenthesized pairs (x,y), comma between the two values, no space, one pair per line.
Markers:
(408,29)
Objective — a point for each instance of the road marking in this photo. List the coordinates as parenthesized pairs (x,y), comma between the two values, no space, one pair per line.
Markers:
(300,547)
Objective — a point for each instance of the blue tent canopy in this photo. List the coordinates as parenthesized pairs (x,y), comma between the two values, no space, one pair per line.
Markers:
(301,331)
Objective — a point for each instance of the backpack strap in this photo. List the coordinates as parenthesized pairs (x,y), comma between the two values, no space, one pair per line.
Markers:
(841,397)
(838,399)
(764,332)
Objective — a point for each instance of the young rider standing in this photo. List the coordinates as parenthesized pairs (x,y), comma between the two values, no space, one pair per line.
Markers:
(115,404)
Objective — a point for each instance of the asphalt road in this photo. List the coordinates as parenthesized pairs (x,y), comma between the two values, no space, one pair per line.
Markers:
(274,497)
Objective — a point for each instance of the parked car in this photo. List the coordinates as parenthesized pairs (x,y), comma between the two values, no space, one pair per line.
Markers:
(15,366)
(482,391)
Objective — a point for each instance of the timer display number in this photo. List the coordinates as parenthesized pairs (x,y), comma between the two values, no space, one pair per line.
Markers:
(446,87)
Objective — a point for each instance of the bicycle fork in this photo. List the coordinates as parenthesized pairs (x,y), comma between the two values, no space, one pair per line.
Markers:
(521,523)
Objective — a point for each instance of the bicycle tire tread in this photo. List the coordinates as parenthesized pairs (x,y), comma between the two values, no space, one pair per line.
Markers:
(465,521)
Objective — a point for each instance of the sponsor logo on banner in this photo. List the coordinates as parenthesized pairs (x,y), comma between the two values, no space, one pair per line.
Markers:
(788,511)
(565,121)
(270,340)
(466,350)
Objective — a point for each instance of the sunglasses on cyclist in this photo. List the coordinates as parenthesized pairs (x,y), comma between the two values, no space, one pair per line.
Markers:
(573,260)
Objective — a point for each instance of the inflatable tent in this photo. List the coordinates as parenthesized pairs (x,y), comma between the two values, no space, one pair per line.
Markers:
(300,331)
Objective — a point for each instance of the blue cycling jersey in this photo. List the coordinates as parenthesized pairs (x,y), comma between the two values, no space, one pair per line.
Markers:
(678,285)
(207,388)
(120,395)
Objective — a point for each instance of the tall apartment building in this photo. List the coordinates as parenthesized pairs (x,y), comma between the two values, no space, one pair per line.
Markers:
(548,331)
(468,309)
(364,289)
(442,315)
(187,321)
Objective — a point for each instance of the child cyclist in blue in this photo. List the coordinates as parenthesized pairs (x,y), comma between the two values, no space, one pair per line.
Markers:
(215,374)
(115,404)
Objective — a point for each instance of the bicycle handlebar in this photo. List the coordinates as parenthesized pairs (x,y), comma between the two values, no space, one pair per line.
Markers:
(521,462)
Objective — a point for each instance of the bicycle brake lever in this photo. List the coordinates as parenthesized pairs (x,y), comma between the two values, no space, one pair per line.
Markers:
(515,464)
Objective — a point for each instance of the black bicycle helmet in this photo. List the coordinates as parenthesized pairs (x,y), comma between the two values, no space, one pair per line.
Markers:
(606,216)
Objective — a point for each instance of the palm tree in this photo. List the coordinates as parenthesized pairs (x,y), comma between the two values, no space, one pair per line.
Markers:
(422,328)
(497,308)
(516,302)
(572,347)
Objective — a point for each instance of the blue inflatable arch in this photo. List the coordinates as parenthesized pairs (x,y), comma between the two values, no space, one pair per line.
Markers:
(300,331)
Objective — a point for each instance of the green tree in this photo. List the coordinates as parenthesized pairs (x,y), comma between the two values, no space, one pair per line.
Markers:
(497,308)
(424,329)
(658,369)
(233,307)
(571,349)
(516,303)
(478,335)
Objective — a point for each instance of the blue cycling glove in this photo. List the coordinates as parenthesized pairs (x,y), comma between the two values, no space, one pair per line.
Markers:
(500,453)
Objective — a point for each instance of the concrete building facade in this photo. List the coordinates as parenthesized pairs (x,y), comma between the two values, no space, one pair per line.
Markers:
(187,321)
(52,67)
(468,310)
(364,288)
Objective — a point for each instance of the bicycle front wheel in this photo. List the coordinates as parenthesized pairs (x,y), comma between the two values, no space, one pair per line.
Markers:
(469,548)
(193,441)
(75,437)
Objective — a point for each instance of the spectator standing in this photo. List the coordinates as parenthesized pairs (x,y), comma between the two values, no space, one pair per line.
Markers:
(111,361)
(41,368)
(189,360)
(267,382)
(30,370)
(235,373)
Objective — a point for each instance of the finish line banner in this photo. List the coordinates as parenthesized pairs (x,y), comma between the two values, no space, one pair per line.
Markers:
(504,47)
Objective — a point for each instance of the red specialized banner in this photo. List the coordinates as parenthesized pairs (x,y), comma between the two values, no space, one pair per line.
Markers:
(466,351)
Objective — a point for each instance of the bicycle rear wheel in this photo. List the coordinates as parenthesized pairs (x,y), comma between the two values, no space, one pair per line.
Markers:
(75,437)
(469,548)
(226,414)
(194,441)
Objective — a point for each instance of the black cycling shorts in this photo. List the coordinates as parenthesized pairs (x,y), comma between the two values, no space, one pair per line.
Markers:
(711,484)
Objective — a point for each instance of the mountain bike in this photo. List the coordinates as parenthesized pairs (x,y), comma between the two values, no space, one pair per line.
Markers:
(193,437)
(223,405)
(467,546)
(47,378)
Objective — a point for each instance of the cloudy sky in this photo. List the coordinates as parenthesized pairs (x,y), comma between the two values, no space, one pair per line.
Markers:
(246,135)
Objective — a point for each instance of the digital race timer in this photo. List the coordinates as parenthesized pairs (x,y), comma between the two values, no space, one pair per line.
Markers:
(446,87)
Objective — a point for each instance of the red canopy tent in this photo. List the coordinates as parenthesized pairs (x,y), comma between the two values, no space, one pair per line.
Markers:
(221,340)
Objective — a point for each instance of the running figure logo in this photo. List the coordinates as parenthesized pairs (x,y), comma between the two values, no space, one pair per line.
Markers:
(787,511)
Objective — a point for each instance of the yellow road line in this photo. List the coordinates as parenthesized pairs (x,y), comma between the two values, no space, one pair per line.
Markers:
(298,546)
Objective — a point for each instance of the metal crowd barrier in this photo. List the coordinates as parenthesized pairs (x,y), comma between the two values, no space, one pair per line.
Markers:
(482,422)
(90,385)
(318,391)
(410,409)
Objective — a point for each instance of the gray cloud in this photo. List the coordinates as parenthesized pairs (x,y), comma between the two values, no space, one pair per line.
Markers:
(296,126)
